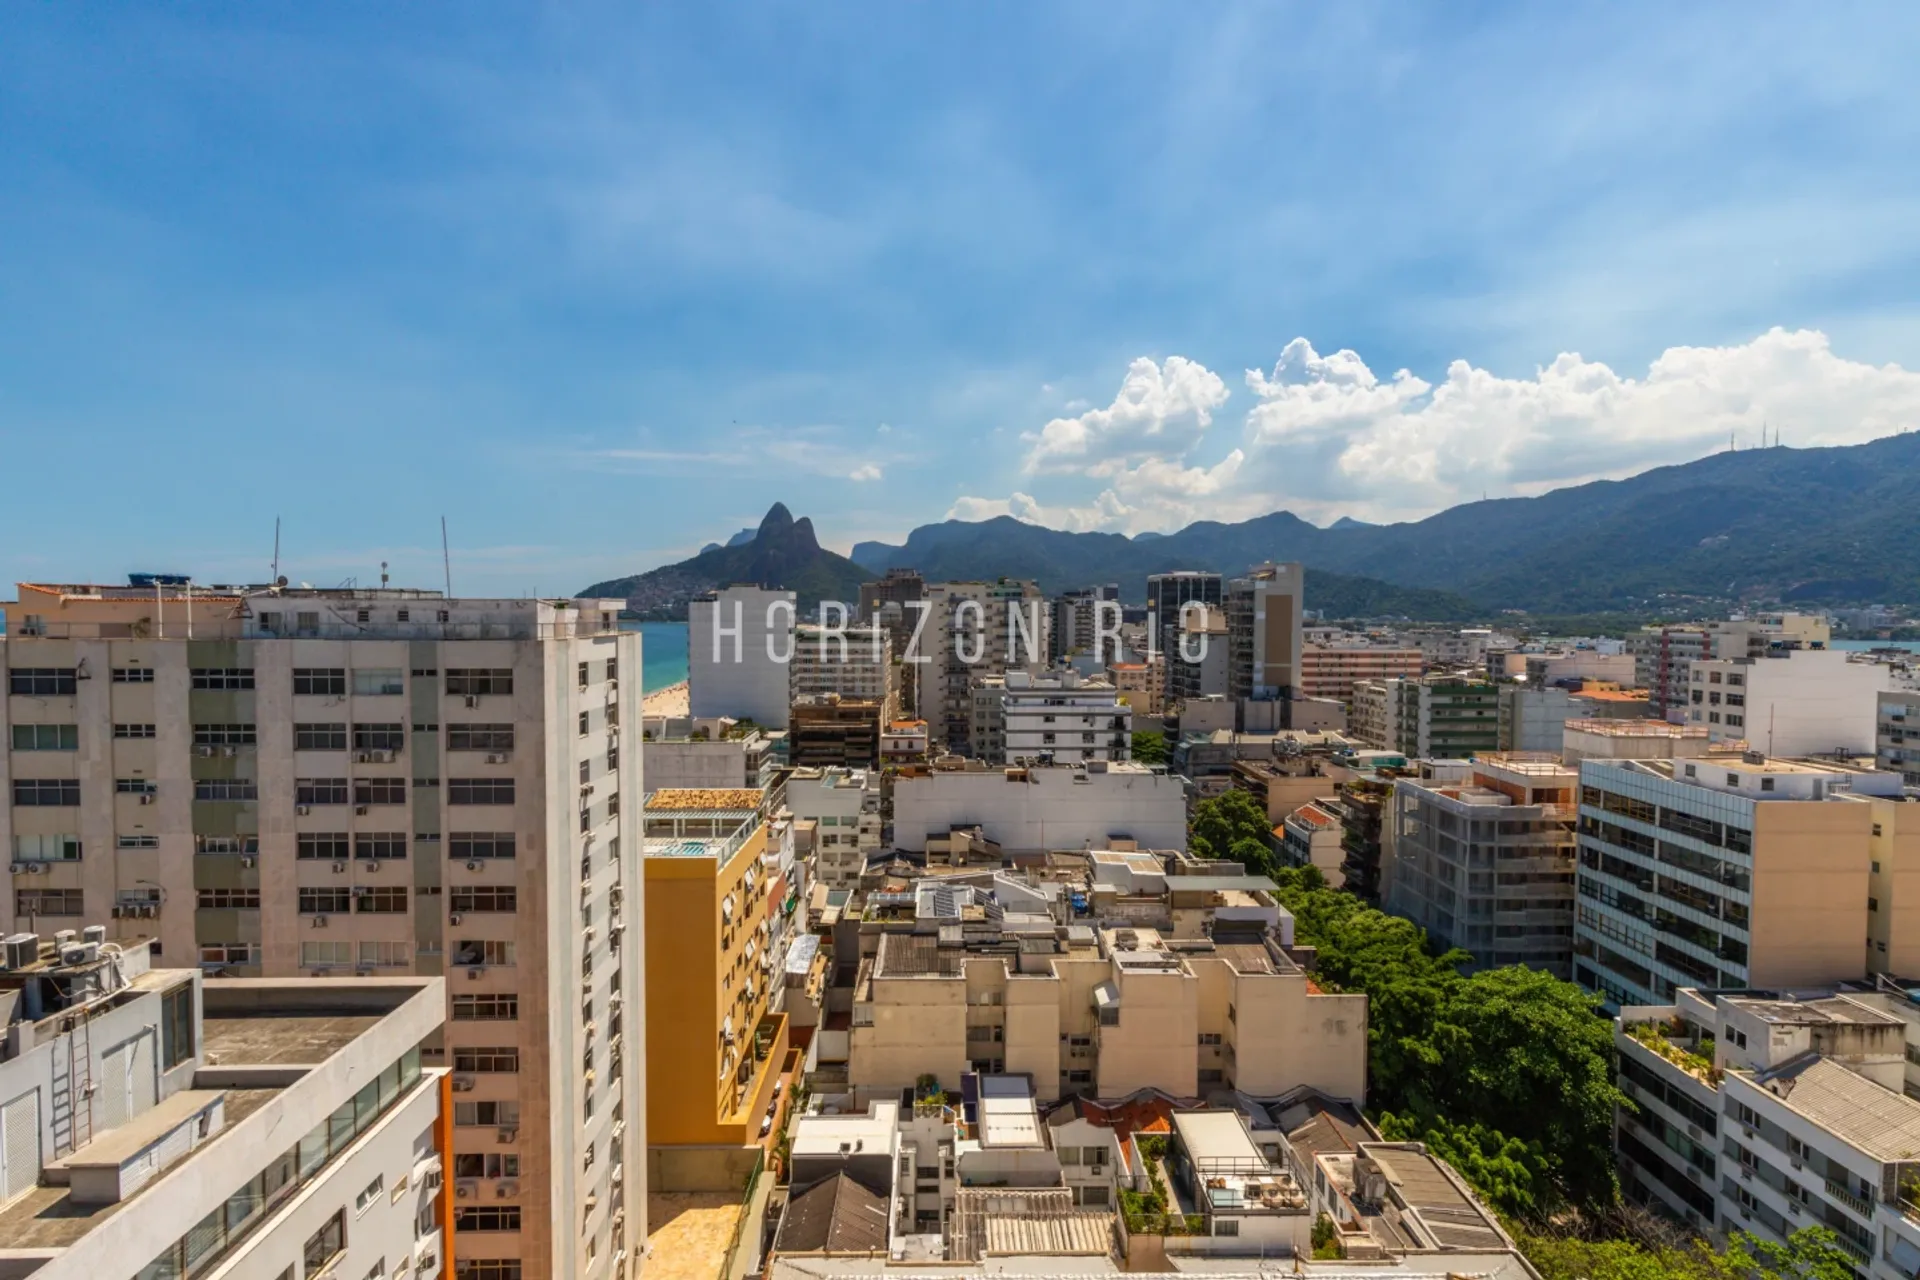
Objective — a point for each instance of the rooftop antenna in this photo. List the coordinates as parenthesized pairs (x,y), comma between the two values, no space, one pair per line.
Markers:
(383,575)
(446,557)
(276,549)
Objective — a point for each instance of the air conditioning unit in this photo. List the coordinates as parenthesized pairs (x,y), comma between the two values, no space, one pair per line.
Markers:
(118,912)
(382,757)
(507,1188)
(364,971)
(150,910)
(19,868)
(360,809)
(474,972)
(466,1189)
(508,1133)
(228,752)
(324,971)
(473,700)
(462,1083)
(319,922)
(246,859)
(371,865)
(204,751)
(36,868)
(363,757)
(455,918)
(303,809)
(339,867)
(473,864)
(361,891)
(146,797)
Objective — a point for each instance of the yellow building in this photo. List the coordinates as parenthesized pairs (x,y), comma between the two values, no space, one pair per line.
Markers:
(713,1051)
(1893,886)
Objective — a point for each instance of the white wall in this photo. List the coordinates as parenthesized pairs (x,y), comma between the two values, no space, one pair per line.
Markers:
(1052,808)
(756,687)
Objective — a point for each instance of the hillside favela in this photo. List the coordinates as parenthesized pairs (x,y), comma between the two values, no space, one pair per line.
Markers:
(960,642)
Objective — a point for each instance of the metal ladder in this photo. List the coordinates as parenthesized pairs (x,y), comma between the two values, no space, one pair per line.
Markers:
(80,1079)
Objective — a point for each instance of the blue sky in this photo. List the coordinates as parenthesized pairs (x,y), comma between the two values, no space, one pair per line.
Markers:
(601,283)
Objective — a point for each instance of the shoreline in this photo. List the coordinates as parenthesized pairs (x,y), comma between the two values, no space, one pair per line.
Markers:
(673,700)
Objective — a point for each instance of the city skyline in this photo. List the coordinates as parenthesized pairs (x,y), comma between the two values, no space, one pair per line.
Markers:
(538,273)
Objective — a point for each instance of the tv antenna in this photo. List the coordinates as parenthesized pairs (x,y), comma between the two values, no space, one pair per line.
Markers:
(446,557)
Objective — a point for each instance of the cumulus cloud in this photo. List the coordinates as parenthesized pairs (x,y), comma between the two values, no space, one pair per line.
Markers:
(865,471)
(1161,410)
(1327,436)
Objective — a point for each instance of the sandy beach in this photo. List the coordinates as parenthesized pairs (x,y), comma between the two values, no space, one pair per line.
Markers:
(670,701)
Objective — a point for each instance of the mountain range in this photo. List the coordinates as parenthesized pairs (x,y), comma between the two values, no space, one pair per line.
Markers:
(1816,526)
(782,552)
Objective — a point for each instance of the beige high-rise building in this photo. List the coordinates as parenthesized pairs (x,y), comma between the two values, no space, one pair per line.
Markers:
(974,629)
(335,783)
(1263,632)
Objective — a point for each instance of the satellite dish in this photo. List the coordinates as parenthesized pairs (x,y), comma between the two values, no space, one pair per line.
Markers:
(280,581)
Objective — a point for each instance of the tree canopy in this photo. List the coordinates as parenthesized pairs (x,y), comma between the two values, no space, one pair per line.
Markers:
(1150,747)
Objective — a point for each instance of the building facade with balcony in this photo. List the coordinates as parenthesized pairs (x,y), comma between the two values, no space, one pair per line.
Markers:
(332,784)
(1769,1113)
(1057,716)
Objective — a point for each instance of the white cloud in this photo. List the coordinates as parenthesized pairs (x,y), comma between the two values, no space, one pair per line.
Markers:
(1162,409)
(865,471)
(1330,437)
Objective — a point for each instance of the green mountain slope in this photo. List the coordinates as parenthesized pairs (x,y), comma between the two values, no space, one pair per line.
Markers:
(783,552)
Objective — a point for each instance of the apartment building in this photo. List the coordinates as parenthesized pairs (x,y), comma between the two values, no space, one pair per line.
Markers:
(826,730)
(976,629)
(681,753)
(854,663)
(714,1048)
(1103,1011)
(1896,733)
(1661,656)
(1037,808)
(1435,717)
(160,1124)
(1487,864)
(1057,716)
(1263,633)
(1791,702)
(741,644)
(1312,836)
(1084,620)
(1142,686)
(1332,670)
(1197,655)
(1730,873)
(843,806)
(904,742)
(1766,1113)
(1452,647)
(289,782)
(1625,739)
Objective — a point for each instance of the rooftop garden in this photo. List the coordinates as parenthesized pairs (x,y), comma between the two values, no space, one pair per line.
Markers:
(1672,1039)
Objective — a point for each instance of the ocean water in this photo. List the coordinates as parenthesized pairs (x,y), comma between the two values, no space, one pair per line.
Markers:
(1862,646)
(663,653)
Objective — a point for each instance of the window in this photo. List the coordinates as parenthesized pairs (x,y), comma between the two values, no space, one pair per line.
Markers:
(326,1244)
(135,787)
(49,902)
(1766,784)
(368,1197)
(46,848)
(319,737)
(320,955)
(386,955)
(1226,1226)
(226,844)
(484,897)
(323,846)
(46,737)
(223,678)
(46,792)
(487,1008)
(136,842)
(1209,1037)
(225,953)
(502,1165)
(229,899)
(41,682)
(613,668)
(585,678)
(224,735)
(479,790)
(320,791)
(488,1115)
(133,675)
(380,791)
(378,682)
(586,723)
(489,1218)
(471,951)
(379,737)
(386,900)
(226,789)
(478,1060)
(176,1027)
(315,902)
(480,844)
(486,1268)
(320,682)
(133,731)
(479,737)
(479,681)
(380,845)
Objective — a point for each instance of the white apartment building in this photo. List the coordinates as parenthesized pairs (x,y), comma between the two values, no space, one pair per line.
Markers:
(1444,647)
(1059,715)
(1767,1113)
(1794,702)
(1896,733)
(159,1125)
(740,646)
(1661,656)
(682,754)
(326,784)
(1043,807)
(1197,655)
(852,661)
(971,630)
(843,805)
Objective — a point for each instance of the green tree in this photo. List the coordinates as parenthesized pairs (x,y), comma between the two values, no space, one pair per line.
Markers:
(1225,820)
(1150,747)
(1812,1253)
(1510,1175)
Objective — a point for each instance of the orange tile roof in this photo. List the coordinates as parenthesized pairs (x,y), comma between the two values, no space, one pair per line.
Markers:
(699,798)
